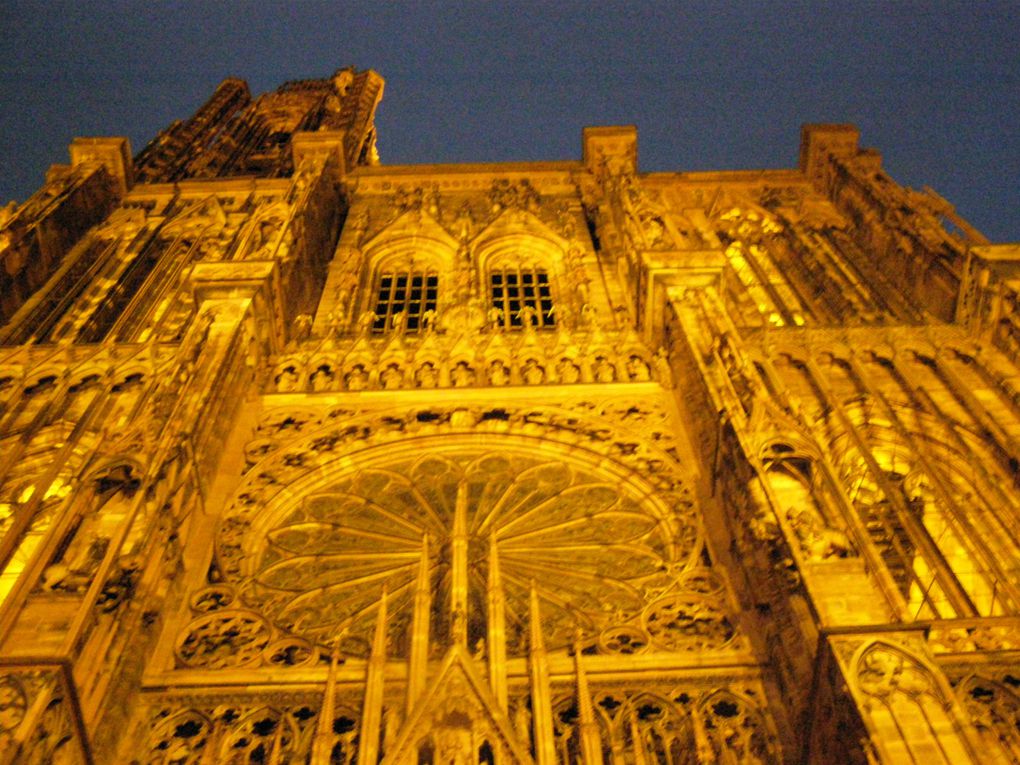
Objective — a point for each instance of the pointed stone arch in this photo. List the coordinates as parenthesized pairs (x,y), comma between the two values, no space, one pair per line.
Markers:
(994,709)
(521,238)
(413,234)
(907,705)
(195,217)
(458,709)
(735,727)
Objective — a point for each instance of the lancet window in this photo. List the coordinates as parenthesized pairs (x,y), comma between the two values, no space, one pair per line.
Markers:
(521,297)
(405,300)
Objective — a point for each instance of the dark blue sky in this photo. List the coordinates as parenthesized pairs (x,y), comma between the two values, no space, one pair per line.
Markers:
(716,85)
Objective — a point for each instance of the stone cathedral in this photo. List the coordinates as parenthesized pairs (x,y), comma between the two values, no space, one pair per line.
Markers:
(310,459)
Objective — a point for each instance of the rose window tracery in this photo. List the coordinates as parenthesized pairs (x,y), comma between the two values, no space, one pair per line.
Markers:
(589,543)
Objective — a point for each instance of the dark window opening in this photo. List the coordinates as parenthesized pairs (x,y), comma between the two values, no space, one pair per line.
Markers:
(523,296)
(405,300)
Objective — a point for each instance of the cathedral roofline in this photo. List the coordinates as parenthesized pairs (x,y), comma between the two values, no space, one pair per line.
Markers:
(471,167)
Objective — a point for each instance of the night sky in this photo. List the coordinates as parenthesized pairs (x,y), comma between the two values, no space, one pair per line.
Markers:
(711,86)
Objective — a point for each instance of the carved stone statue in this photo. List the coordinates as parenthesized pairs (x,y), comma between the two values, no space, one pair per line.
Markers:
(287,380)
(532,373)
(392,377)
(429,320)
(75,567)
(365,323)
(637,369)
(528,316)
(462,375)
(568,371)
(322,378)
(357,378)
(498,373)
(604,370)
(663,371)
(426,376)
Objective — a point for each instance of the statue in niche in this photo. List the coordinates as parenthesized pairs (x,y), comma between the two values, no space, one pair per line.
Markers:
(568,371)
(357,378)
(83,547)
(663,370)
(474,316)
(346,285)
(265,237)
(498,373)
(322,378)
(565,220)
(464,224)
(578,276)
(462,287)
(605,372)
(430,199)
(655,233)
(462,376)
(287,380)
(819,542)
(637,369)
(213,247)
(533,373)
(392,378)
(426,376)
(74,566)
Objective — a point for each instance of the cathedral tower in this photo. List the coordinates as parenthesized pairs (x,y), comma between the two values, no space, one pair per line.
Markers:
(309,459)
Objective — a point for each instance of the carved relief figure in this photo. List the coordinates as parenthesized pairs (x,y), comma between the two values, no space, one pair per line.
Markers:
(498,373)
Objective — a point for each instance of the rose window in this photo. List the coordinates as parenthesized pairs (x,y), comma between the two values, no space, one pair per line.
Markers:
(591,546)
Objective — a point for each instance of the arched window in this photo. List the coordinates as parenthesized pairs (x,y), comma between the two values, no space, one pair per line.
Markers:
(522,296)
(404,299)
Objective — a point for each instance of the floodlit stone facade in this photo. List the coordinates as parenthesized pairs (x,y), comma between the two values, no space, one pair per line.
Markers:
(310,459)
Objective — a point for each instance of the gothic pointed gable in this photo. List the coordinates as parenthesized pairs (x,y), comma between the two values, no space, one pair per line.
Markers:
(414,227)
(458,699)
(198,216)
(514,225)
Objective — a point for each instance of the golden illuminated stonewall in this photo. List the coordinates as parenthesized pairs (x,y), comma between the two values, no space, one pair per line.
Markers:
(309,459)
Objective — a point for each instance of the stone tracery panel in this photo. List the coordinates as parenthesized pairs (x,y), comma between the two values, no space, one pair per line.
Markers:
(593,551)
(595,514)
(994,708)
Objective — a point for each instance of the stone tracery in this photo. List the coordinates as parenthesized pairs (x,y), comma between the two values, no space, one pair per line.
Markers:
(371,527)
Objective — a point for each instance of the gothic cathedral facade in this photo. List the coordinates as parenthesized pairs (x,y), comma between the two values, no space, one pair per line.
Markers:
(311,459)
